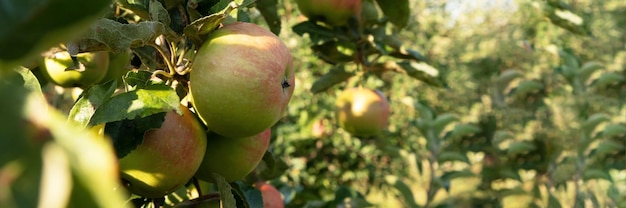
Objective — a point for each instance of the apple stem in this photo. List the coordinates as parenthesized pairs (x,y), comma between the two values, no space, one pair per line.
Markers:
(168,62)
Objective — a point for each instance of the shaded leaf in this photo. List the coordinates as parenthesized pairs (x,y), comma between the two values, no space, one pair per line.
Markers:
(590,174)
(451,175)
(32,26)
(336,75)
(317,33)
(106,34)
(128,134)
(448,156)
(226,196)
(397,11)
(329,52)
(269,10)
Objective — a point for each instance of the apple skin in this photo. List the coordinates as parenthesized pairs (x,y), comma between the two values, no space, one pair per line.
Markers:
(167,158)
(241,80)
(362,112)
(271,196)
(96,67)
(334,12)
(119,64)
(232,158)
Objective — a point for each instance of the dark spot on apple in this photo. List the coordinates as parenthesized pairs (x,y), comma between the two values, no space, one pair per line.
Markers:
(285,84)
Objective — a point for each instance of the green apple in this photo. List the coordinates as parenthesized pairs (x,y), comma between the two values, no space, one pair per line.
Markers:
(362,112)
(241,80)
(334,12)
(119,64)
(167,158)
(271,196)
(232,158)
(59,68)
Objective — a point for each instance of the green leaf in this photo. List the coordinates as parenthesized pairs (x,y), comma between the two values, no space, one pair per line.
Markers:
(593,121)
(566,19)
(608,147)
(448,156)
(553,202)
(330,53)
(138,79)
(336,75)
(269,11)
(397,11)
(408,54)
(403,188)
(89,100)
(199,28)
(463,130)
(589,68)
(32,26)
(590,174)
(423,72)
(128,134)
(607,79)
(450,175)
(136,104)
(569,59)
(317,33)
(520,148)
(507,76)
(250,196)
(226,196)
(614,130)
(106,34)
(526,87)
(271,166)
(442,121)
(158,13)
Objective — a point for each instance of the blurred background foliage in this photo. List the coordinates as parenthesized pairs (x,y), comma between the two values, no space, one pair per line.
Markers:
(532,113)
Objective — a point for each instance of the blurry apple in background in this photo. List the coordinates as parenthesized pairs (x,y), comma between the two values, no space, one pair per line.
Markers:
(362,112)
(271,196)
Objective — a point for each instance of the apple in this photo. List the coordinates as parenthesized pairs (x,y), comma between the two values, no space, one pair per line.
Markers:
(167,158)
(232,158)
(271,197)
(241,80)
(119,64)
(334,12)
(362,112)
(57,68)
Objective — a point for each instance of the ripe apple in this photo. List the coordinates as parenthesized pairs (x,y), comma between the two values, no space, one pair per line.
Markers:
(95,64)
(232,158)
(362,112)
(241,80)
(167,158)
(271,197)
(334,12)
